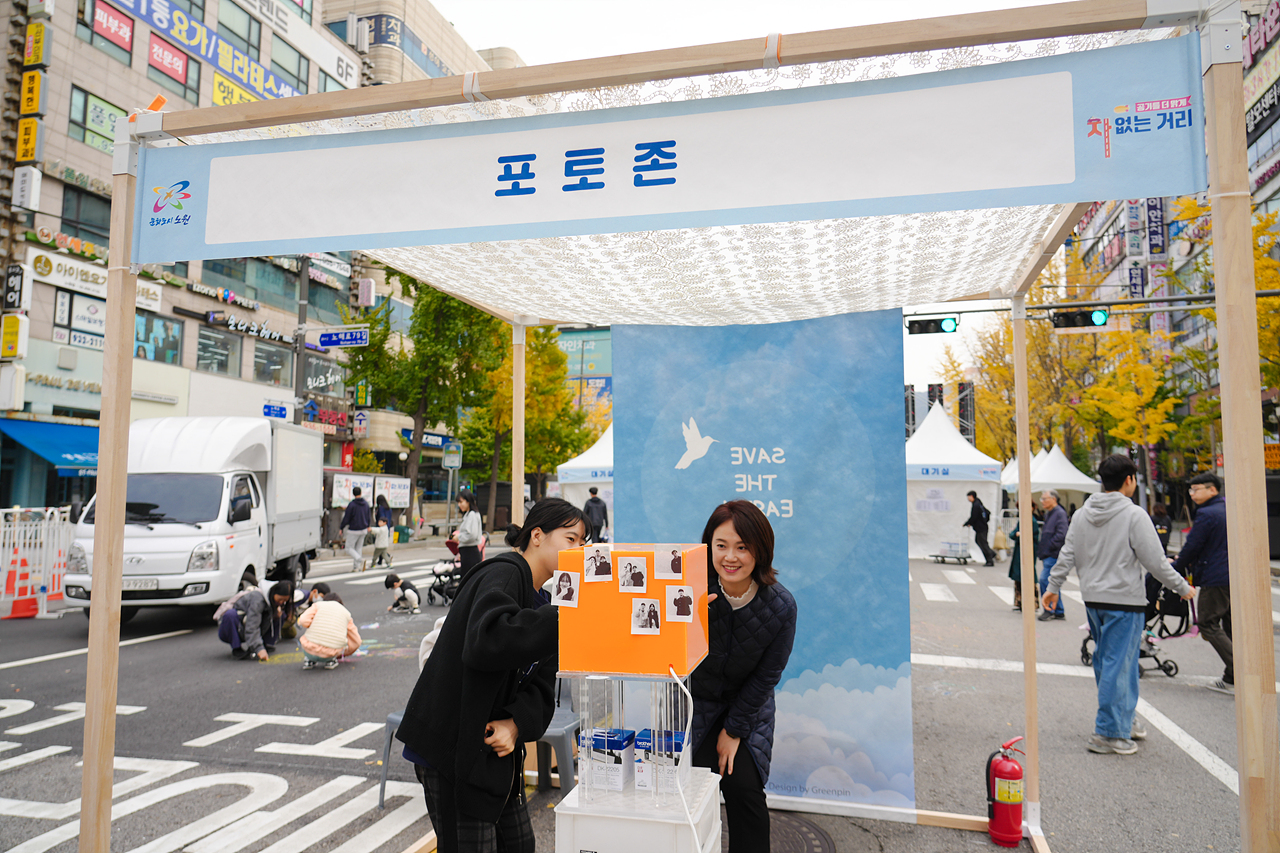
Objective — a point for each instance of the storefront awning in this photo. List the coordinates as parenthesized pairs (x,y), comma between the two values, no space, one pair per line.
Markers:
(73,449)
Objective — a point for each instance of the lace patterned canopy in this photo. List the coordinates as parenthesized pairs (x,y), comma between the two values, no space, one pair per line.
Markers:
(739,274)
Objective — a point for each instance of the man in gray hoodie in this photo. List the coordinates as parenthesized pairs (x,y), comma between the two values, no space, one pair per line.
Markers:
(1110,544)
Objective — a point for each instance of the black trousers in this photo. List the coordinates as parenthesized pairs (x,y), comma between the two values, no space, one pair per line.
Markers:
(458,833)
(980,536)
(1213,617)
(743,790)
(469,555)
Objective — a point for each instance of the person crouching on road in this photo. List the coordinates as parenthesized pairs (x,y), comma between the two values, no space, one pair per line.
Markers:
(1109,547)
(251,624)
(405,597)
(331,633)
(488,688)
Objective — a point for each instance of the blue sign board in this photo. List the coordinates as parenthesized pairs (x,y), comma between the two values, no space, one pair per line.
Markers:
(345,338)
(271,411)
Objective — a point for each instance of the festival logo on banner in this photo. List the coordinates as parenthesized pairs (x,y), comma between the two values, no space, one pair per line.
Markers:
(805,420)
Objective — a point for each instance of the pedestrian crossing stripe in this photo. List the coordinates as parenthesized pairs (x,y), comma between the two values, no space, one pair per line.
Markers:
(938,592)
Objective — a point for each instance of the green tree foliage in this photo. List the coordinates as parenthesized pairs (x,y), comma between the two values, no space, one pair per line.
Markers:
(438,368)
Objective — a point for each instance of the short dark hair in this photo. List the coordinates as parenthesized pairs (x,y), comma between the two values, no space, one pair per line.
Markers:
(390,580)
(333,596)
(1114,470)
(971,494)
(1206,479)
(547,515)
(322,588)
(466,495)
(593,490)
(754,530)
(355,492)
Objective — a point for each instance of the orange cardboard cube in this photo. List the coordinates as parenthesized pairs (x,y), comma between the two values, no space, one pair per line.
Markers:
(632,609)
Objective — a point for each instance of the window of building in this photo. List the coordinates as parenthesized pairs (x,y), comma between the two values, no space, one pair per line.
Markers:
(302,8)
(173,69)
(193,8)
(323,303)
(157,338)
(93,120)
(329,84)
(218,351)
(106,28)
(289,64)
(178,269)
(225,272)
(272,364)
(86,215)
(239,27)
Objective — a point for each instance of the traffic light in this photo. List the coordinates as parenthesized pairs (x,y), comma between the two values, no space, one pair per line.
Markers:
(933,325)
(1080,319)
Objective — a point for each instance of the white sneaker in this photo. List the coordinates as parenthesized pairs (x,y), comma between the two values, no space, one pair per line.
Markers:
(1221,686)
(1139,732)
(1118,745)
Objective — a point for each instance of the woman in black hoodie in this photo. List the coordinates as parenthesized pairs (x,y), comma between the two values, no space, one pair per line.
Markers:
(487,688)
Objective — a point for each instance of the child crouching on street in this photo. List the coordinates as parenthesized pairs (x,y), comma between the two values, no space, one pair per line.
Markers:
(406,598)
(331,633)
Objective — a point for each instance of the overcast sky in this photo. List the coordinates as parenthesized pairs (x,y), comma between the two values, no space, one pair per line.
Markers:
(544,31)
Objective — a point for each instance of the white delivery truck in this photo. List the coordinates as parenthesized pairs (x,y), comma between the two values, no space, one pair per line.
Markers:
(211,502)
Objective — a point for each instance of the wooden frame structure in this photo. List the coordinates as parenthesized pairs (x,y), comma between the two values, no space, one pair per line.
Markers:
(1256,708)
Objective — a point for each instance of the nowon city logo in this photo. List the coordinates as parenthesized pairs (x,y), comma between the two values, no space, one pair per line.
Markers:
(172,196)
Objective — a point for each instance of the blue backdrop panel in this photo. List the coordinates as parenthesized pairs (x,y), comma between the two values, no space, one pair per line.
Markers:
(805,419)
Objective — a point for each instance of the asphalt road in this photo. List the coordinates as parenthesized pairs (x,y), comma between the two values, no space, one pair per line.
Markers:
(288,760)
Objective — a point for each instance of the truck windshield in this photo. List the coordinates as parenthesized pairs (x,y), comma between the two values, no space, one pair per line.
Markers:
(170,499)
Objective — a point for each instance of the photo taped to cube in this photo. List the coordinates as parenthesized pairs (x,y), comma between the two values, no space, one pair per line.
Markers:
(667,562)
(679,604)
(644,616)
(633,574)
(565,591)
(596,565)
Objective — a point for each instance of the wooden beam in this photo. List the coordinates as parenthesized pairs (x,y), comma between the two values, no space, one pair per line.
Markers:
(1233,275)
(108,530)
(517,423)
(1060,19)
(951,821)
(1040,256)
(1030,687)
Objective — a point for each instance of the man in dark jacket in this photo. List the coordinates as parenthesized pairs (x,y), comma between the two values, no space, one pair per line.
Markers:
(597,513)
(355,520)
(1052,535)
(494,662)
(251,625)
(1204,557)
(978,517)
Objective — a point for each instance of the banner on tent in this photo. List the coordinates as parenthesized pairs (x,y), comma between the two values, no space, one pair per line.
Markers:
(1121,122)
(786,415)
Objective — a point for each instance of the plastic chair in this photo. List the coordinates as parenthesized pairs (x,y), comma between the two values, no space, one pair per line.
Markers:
(560,736)
(393,723)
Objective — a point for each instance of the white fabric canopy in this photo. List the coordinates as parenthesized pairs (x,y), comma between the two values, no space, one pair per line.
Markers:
(593,467)
(1009,476)
(1057,472)
(722,275)
(942,467)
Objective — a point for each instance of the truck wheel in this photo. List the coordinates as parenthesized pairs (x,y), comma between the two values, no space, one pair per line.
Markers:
(248,580)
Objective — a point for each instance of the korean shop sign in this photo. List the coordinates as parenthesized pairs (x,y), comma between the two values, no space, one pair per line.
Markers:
(37,45)
(1122,122)
(197,39)
(167,60)
(34,97)
(227,92)
(113,26)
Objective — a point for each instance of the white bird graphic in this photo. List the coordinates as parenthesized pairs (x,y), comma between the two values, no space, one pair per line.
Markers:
(696,444)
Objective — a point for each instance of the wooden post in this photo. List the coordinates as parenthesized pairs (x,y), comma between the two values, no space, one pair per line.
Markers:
(1255,670)
(1027,558)
(108,528)
(517,421)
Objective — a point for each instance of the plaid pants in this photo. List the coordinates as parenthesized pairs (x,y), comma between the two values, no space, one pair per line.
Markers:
(458,833)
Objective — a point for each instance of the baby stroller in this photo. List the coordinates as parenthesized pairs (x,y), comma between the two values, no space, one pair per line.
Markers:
(1162,604)
(447,574)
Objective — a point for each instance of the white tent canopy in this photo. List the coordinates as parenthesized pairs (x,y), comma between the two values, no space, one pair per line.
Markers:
(1009,476)
(942,467)
(1055,471)
(593,467)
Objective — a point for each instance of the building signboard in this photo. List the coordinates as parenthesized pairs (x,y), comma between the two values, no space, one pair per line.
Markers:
(226,92)
(17,288)
(83,277)
(332,264)
(166,59)
(394,489)
(222,294)
(40,9)
(33,100)
(1157,238)
(344,483)
(88,314)
(360,425)
(101,117)
(1133,236)
(1259,79)
(38,45)
(112,25)
(14,331)
(26,187)
(1262,34)
(198,39)
(30,140)
(1259,117)
(53,378)
(1137,282)
(337,64)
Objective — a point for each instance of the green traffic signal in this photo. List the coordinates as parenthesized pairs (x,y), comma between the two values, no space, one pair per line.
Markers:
(1099,316)
(949,324)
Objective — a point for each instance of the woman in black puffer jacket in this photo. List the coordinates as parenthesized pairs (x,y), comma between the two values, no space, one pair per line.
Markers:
(752,627)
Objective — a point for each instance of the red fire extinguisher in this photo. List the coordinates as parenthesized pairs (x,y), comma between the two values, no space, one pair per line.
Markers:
(1004,796)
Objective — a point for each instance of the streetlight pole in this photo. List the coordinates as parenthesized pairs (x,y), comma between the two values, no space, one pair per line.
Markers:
(300,337)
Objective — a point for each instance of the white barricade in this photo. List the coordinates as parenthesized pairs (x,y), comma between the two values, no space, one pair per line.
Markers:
(33,559)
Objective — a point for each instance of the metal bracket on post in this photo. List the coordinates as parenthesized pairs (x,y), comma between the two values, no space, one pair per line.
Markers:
(149,126)
(1173,13)
(1221,35)
(124,159)
(1019,307)
(518,324)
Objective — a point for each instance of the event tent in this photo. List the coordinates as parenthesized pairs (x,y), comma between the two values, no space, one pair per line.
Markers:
(906,240)
(593,467)
(1009,477)
(942,467)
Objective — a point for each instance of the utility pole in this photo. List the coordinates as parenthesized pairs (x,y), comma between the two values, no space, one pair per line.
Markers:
(300,337)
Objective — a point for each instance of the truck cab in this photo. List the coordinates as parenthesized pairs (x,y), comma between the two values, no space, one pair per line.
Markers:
(211,502)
